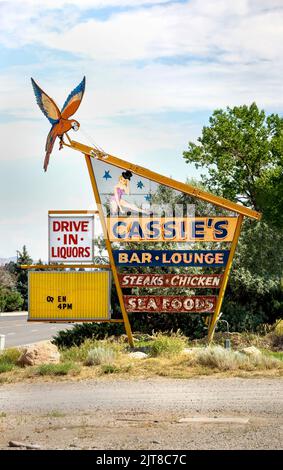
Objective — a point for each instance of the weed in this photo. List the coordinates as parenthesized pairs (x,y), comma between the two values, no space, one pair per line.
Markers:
(6,367)
(279,328)
(100,355)
(78,353)
(57,369)
(3,414)
(81,353)
(277,355)
(167,346)
(109,369)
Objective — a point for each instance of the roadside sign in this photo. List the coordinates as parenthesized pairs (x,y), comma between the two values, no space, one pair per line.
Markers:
(71,238)
(69,295)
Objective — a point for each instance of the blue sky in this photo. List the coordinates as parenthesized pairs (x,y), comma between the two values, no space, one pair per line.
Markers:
(155,72)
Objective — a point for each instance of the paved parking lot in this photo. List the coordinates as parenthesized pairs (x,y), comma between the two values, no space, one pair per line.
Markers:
(18,331)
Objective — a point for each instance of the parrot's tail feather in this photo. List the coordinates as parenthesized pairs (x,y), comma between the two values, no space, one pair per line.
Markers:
(49,146)
(46,161)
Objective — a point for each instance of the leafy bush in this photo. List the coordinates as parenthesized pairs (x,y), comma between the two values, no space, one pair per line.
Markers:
(100,355)
(57,369)
(82,331)
(6,367)
(10,356)
(10,300)
(167,346)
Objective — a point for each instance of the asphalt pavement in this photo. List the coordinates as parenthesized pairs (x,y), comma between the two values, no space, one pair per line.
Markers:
(18,331)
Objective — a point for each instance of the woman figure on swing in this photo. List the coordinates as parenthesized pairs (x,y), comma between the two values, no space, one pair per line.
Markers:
(117,201)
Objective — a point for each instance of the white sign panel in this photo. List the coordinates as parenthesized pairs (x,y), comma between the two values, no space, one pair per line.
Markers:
(71,238)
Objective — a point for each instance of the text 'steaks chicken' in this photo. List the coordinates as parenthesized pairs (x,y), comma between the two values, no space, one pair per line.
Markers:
(58,119)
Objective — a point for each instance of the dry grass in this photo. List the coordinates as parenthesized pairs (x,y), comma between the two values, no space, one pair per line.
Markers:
(166,358)
(216,357)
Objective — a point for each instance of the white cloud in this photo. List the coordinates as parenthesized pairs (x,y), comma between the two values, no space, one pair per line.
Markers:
(234,50)
(218,29)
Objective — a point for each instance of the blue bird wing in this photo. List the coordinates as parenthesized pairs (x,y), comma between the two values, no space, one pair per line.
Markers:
(46,104)
(73,101)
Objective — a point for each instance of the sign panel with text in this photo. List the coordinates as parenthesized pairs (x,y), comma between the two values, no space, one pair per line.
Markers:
(170,303)
(212,258)
(69,295)
(71,238)
(174,229)
(192,281)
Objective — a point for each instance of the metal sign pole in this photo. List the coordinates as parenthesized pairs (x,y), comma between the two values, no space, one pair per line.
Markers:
(109,249)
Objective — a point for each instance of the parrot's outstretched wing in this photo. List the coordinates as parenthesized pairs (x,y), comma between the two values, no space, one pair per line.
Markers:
(46,104)
(73,101)
(49,145)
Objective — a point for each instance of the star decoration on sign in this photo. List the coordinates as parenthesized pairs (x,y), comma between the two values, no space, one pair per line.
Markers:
(148,197)
(140,185)
(107,175)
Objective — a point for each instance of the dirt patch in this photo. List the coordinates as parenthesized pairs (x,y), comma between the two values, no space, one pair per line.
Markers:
(145,414)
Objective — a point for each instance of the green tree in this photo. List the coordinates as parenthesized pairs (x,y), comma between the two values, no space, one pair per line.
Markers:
(7,279)
(22,274)
(10,299)
(242,153)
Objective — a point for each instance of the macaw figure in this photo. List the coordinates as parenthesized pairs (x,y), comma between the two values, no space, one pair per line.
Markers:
(58,119)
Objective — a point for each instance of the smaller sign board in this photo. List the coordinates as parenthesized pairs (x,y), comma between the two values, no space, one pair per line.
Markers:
(212,258)
(71,238)
(170,303)
(69,295)
(192,281)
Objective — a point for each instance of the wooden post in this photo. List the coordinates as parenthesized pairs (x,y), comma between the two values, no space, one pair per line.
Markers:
(225,279)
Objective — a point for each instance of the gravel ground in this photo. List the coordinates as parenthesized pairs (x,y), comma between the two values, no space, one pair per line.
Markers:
(204,413)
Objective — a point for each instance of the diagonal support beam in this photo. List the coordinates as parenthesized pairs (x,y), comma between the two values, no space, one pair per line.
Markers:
(225,278)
